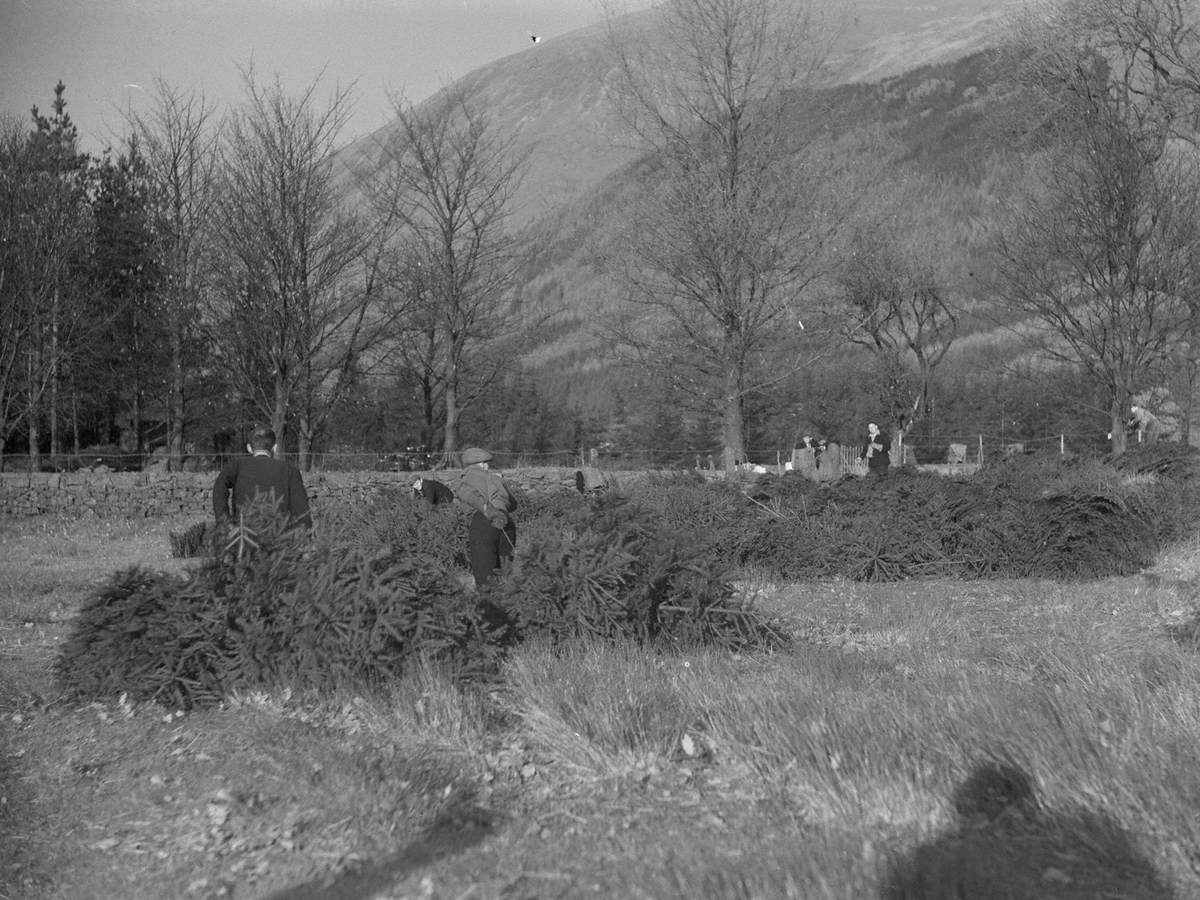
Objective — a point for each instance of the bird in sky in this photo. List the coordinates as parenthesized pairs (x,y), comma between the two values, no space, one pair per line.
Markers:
(534,37)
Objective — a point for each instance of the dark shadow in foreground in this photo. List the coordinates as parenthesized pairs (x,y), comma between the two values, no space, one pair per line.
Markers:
(452,833)
(1006,847)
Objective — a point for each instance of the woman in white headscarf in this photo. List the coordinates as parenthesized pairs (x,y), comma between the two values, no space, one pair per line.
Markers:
(877,450)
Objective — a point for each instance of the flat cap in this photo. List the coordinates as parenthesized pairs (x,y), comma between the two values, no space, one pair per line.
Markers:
(474,455)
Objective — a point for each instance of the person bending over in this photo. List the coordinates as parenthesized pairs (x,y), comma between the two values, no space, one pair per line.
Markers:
(492,534)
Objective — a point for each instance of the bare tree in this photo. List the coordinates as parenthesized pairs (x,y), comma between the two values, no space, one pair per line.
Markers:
(419,353)
(1098,246)
(732,219)
(295,268)
(1153,47)
(898,291)
(178,141)
(447,178)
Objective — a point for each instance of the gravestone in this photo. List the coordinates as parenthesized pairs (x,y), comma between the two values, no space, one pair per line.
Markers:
(804,461)
(831,463)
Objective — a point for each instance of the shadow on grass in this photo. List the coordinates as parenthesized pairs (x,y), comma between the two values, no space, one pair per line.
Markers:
(22,872)
(454,831)
(1006,848)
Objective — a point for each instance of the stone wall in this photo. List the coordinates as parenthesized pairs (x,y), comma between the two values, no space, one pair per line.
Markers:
(114,495)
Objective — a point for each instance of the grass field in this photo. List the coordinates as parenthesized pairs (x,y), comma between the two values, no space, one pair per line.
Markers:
(928,739)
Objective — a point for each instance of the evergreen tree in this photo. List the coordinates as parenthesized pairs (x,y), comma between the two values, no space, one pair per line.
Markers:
(131,359)
(47,232)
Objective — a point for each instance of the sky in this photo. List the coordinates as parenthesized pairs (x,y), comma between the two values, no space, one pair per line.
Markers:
(109,52)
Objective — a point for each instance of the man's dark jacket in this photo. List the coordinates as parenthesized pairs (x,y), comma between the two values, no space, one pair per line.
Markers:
(247,476)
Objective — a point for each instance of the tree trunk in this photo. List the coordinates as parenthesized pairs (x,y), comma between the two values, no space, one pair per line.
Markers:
(3,430)
(279,417)
(1189,369)
(35,437)
(55,441)
(1117,424)
(135,421)
(450,445)
(733,431)
(75,419)
(304,432)
(922,404)
(305,425)
(427,408)
(896,449)
(175,403)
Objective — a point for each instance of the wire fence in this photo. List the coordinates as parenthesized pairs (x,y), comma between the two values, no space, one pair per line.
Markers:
(949,448)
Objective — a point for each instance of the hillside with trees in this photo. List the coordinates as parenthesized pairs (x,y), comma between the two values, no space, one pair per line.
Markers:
(918,161)
(709,230)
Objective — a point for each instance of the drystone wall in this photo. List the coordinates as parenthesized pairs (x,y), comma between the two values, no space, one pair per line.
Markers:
(115,495)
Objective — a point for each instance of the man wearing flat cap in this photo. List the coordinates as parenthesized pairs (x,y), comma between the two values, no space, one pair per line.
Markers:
(492,534)
(245,478)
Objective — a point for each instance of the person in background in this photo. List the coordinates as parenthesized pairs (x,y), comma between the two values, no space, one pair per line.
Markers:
(432,491)
(1144,424)
(491,534)
(876,452)
(805,456)
(246,478)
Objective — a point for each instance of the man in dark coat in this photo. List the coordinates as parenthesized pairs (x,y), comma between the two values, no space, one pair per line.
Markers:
(245,478)
(877,452)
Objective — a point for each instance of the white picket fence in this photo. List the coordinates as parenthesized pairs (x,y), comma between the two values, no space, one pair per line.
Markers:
(839,460)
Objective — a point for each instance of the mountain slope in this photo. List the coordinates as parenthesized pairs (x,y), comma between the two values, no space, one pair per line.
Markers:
(934,121)
(552,99)
(555,97)
(883,39)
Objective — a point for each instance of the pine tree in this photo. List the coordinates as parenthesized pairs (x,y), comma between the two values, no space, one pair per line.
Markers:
(47,212)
